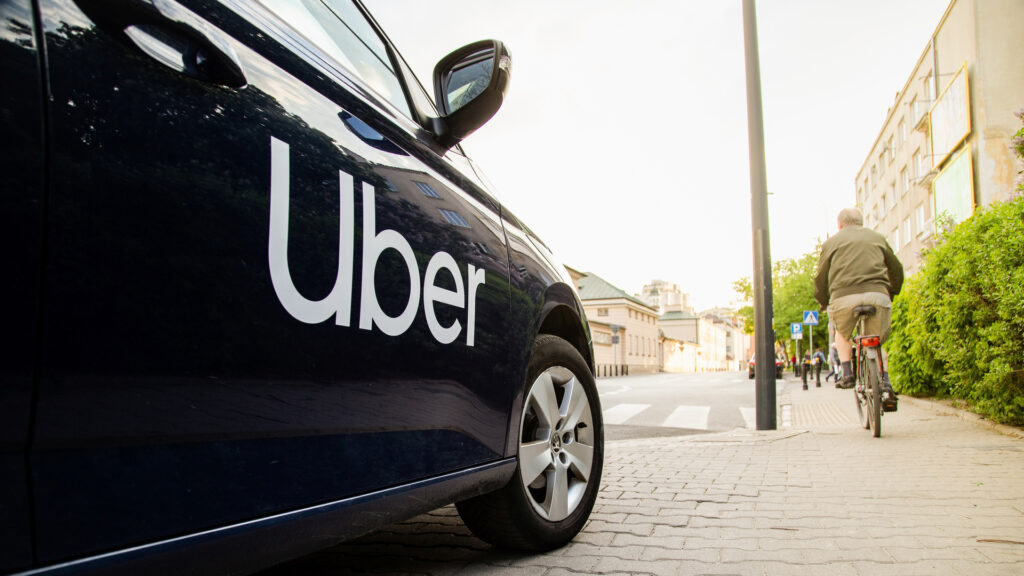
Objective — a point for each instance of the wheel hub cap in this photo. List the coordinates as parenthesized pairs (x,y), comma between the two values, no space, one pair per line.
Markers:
(556,444)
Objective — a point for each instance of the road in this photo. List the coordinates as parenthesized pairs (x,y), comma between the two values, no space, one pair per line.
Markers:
(654,405)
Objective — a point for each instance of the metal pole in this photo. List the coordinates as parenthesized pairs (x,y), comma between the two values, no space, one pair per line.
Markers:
(764,333)
(810,341)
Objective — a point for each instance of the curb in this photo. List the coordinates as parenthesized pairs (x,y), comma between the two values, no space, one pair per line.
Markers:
(965,415)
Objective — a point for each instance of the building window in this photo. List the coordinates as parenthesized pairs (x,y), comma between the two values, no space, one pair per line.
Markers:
(894,239)
(454,218)
(906,231)
(924,223)
(874,178)
(901,132)
(881,162)
(916,163)
(483,249)
(892,151)
(882,205)
(929,95)
(602,311)
(892,196)
(904,181)
(426,189)
(390,186)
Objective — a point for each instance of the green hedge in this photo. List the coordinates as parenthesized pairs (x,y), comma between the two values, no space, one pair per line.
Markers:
(958,324)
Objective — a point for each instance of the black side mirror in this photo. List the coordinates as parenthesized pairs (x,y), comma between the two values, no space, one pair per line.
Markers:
(469,86)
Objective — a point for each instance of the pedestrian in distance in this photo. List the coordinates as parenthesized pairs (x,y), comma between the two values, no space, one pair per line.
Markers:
(858,267)
(818,360)
(833,365)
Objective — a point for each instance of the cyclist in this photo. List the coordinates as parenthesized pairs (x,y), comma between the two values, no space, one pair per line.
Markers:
(857,266)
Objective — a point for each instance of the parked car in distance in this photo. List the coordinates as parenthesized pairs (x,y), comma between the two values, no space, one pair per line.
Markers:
(778,367)
(263,300)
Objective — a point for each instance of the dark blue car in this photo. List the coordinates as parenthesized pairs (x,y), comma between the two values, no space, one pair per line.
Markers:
(259,301)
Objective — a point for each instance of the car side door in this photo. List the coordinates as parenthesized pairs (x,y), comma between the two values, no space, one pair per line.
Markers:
(22,206)
(263,290)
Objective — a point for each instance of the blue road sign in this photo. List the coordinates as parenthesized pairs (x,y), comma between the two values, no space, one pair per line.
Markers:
(796,331)
(811,317)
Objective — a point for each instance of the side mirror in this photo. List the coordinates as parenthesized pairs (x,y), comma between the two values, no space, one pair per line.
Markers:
(469,86)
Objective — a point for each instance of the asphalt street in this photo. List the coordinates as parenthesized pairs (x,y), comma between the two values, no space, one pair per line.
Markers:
(654,405)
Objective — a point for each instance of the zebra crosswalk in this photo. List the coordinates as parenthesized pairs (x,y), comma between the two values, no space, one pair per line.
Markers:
(691,417)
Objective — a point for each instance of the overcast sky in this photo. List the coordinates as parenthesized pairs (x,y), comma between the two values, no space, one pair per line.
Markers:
(623,139)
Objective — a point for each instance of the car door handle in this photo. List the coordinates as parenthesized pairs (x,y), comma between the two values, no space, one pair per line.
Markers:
(173,36)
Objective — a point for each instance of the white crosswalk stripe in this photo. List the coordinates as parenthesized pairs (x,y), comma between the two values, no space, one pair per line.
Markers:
(622,412)
(690,417)
(695,417)
(749,416)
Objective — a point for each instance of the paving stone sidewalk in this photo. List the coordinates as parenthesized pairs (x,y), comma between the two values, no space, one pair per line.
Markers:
(936,495)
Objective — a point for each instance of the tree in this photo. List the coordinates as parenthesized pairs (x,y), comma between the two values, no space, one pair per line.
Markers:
(745,313)
(1017,144)
(792,294)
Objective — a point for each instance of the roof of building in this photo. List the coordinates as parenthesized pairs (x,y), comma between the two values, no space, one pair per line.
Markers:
(593,287)
(677,315)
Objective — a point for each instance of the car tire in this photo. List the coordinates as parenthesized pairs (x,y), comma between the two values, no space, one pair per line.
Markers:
(560,457)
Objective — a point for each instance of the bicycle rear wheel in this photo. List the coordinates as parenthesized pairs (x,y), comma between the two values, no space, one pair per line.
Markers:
(862,392)
(874,394)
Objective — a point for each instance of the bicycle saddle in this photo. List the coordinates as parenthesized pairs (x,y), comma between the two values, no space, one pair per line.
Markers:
(864,310)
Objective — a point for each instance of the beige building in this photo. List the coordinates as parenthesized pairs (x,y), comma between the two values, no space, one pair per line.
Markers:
(624,329)
(709,337)
(678,356)
(944,147)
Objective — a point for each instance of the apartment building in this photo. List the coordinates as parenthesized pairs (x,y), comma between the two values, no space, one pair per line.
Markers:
(665,296)
(944,147)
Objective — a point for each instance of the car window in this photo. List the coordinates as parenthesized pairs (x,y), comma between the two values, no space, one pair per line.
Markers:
(338,28)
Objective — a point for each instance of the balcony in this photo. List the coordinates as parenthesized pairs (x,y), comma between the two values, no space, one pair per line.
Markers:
(920,115)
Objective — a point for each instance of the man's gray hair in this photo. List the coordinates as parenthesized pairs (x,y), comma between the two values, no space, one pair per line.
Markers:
(850,217)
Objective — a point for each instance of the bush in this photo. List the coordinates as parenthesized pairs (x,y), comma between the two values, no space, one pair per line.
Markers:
(958,325)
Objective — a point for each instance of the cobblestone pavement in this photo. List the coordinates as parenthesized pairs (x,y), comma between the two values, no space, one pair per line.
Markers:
(937,494)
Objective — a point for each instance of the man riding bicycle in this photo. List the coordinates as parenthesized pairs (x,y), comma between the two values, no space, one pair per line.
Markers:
(858,267)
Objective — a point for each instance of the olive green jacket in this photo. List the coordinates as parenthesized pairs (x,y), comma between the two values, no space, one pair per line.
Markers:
(854,261)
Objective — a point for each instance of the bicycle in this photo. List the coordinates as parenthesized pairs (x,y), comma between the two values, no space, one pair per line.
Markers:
(868,369)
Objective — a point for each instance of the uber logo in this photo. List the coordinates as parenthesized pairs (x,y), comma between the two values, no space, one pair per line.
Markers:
(339,302)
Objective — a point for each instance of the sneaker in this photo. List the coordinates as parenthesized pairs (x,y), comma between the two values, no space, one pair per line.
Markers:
(846,382)
(890,403)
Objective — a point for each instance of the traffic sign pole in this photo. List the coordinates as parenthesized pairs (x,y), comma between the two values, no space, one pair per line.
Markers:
(811,319)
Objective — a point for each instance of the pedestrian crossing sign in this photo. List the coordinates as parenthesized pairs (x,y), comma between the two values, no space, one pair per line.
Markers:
(811,317)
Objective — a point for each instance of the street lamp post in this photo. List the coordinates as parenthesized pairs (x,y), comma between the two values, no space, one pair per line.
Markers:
(764,334)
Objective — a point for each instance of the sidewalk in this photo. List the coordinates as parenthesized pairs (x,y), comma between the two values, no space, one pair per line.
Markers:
(936,495)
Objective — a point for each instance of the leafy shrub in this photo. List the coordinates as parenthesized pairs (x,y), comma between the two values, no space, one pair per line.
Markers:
(958,325)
